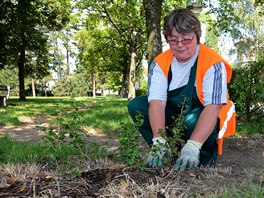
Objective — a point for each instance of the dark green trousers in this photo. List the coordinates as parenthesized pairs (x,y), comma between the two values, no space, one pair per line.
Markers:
(140,105)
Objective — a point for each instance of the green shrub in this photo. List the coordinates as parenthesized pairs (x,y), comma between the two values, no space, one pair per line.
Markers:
(141,92)
(129,144)
(251,128)
(247,91)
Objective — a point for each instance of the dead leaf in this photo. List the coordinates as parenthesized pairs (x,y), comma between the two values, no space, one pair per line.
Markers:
(109,177)
(192,174)
(49,177)
(4,186)
(23,187)
(11,180)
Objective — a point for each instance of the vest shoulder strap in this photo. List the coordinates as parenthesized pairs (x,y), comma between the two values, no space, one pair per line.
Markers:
(164,61)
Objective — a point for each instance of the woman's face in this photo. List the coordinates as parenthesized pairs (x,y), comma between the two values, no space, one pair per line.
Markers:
(183,46)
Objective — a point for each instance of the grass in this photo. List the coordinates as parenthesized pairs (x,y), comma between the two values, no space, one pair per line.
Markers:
(32,107)
(251,128)
(20,152)
(249,189)
(106,114)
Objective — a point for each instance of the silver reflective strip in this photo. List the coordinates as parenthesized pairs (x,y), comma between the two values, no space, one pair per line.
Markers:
(228,117)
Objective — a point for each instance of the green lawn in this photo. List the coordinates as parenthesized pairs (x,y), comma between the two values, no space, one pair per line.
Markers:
(107,114)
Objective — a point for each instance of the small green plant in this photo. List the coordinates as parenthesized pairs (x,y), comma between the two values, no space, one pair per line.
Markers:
(129,142)
(66,140)
(175,141)
(65,129)
(129,139)
(64,135)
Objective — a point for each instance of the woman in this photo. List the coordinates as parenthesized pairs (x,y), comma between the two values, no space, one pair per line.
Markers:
(195,75)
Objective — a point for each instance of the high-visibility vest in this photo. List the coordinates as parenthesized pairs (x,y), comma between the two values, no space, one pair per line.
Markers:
(206,59)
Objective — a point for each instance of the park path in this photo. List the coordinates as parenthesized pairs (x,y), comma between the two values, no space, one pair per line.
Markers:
(31,130)
(28,131)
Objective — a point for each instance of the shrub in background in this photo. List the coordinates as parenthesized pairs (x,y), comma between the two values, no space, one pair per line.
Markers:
(247,90)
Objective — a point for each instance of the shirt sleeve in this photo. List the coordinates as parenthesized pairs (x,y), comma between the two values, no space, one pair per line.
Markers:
(215,85)
(157,83)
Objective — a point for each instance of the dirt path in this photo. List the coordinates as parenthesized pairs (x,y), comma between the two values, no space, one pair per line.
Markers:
(29,130)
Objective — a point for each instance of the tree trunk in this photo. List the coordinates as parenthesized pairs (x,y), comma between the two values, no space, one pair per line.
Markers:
(21,73)
(94,88)
(46,91)
(132,76)
(33,87)
(124,89)
(153,17)
(3,36)
(67,54)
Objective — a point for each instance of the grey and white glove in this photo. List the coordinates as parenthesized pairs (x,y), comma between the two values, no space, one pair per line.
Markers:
(158,150)
(190,156)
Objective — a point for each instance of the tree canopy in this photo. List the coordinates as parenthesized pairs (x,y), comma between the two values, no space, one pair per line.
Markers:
(24,33)
(113,38)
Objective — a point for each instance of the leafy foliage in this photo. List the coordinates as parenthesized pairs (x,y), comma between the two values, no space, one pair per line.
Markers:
(246,90)
(24,26)
(75,85)
(129,143)
(212,33)
(64,130)
(8,76)
(108,44)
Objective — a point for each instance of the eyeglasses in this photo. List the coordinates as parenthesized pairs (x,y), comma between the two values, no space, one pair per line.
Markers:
(183,41)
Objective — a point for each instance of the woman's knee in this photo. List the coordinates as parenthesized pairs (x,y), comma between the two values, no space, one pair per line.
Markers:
(138,105)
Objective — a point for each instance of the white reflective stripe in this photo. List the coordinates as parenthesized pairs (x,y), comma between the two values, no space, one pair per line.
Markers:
(229,116)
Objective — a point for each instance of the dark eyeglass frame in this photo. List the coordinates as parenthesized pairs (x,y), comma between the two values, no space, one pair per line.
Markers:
(183,41)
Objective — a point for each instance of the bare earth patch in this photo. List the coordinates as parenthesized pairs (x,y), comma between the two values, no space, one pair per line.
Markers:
(29,130)
(242,162)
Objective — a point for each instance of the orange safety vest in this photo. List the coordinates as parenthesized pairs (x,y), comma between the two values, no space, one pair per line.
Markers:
(206,58)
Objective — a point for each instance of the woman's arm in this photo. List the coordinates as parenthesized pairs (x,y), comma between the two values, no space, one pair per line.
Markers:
(206,123)
(157,116)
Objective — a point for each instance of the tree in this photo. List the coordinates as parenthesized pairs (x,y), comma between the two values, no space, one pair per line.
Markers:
(247,88)
(26,24)
(153,11)
(101,56)
(212,34)
(56,55)
(8,76)
(251,28)
(128,33)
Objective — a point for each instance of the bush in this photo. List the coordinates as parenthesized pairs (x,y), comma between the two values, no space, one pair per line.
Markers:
(75,86)
(141,92)
(247,91)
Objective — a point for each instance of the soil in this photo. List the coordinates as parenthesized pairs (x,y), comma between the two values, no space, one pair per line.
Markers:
(241,167)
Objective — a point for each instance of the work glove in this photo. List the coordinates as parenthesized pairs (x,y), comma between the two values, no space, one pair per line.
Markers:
(158,150)
(190,155)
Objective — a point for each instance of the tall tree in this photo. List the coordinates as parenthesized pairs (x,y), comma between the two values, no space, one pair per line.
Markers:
(26,23)
(125,19)
(153,11)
